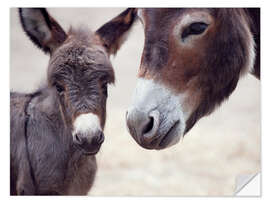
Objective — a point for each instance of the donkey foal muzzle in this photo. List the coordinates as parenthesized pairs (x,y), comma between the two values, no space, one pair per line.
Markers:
(89,143)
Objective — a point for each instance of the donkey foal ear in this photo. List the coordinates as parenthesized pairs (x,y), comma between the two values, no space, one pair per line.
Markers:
(113,32)
(41,28)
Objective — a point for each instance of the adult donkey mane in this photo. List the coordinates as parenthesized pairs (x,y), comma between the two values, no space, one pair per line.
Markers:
(57,130)
(192,61)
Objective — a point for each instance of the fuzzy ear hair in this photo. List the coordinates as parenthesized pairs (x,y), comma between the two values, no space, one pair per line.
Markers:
(41,28)
(113,32)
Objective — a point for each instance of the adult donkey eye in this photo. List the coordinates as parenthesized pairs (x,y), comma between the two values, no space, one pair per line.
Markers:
(194,29)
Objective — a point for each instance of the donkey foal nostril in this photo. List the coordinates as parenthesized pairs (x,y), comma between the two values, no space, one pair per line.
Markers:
(149,126)
(98,139)
(101,138)
(77,139)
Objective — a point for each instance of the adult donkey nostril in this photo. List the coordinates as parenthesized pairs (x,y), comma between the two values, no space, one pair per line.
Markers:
(143,126)
(137,122)
(148,126)
(150,132)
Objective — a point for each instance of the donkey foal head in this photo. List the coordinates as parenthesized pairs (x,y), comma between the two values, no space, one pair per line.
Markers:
(79,70)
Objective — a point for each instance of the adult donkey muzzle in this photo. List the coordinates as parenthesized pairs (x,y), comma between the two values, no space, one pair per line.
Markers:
(151,130)
(143,127)
(155,119)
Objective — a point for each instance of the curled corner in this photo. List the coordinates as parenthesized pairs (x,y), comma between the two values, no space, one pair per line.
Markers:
(248,185)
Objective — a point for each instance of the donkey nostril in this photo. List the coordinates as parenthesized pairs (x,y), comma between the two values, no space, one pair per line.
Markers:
(101,138)
(98,139)
(149,126)
(78,139)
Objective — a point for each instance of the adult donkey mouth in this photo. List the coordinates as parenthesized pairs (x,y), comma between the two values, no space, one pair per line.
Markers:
(169,136)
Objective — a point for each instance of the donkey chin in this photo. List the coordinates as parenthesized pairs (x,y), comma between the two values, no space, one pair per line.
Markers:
(87,134)
(156,119)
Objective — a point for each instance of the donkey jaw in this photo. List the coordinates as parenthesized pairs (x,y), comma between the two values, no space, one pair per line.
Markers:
(168,128)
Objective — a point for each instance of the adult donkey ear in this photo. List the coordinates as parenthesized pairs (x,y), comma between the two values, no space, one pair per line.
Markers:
(42,29)
(113,32)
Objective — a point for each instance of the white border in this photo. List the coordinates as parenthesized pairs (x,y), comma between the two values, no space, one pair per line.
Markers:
(5,5)
(137,3)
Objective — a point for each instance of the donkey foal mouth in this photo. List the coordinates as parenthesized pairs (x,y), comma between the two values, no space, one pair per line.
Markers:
(90,153)
(87,152)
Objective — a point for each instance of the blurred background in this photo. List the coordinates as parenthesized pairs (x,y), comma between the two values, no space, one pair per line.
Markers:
(206,162)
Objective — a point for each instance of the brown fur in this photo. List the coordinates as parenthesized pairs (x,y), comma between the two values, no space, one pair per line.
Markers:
(209,72)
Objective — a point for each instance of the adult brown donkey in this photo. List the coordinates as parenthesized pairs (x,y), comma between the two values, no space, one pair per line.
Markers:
(57,130)
(191,62)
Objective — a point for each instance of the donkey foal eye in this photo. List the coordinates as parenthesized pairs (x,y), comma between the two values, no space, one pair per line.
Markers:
(194,29)
(59,88)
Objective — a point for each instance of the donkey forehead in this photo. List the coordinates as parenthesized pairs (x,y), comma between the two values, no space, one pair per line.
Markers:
(80,51)
(159,24)
(153,17)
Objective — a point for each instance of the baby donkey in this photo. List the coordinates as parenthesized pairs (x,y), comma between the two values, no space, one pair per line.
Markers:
(57,130)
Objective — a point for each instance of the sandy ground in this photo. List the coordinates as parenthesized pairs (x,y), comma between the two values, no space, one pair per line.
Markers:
(206,162)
